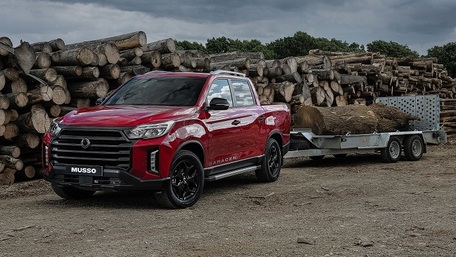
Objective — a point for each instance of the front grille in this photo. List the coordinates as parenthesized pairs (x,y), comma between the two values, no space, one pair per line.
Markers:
(106,147)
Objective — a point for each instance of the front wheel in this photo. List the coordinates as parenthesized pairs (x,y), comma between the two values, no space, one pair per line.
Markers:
(392,152)
(272,162)
(71,193)
(186,182)
(413,148)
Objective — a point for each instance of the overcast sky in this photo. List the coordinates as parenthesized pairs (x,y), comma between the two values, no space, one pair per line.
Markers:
(420,24)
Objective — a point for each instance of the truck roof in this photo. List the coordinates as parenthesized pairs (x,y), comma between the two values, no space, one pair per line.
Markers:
(190,74)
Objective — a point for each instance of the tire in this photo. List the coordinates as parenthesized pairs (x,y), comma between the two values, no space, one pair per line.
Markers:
(340,156)
(186,182)
(413,148)
(392,152)
(72,193)
(317,157)
(299,144)
(271,164)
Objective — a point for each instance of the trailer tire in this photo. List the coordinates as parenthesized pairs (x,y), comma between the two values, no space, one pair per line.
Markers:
(392,152)
(413,148)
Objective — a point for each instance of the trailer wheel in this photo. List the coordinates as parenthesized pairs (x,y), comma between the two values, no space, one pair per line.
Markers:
(317,157)
(186,182)
(71,193)
(413,148)
(392,152)
(272,163)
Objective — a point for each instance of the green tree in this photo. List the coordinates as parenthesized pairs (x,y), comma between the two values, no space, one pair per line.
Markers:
(300,44)
(446,55)
(391,49)
(187,45)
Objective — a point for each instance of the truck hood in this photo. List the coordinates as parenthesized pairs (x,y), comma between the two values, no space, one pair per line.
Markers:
(126,115)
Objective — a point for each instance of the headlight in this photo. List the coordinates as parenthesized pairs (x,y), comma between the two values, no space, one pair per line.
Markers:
(54,129)
(149,130)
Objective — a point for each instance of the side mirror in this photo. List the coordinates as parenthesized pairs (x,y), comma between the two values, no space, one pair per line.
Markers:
(99,100)
(219,104)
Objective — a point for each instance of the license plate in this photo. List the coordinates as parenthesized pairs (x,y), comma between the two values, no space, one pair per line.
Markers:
(85,170)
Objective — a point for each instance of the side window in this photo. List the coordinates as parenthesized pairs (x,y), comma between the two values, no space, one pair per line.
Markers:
(220,88)
(242,93)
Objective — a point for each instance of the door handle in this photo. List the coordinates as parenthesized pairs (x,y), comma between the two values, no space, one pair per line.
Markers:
(261,118)
(236,122)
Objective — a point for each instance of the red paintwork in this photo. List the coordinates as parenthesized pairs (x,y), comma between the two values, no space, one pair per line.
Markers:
(221,141)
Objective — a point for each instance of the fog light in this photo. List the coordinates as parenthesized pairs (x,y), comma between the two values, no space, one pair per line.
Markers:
(46,155)
(153,162)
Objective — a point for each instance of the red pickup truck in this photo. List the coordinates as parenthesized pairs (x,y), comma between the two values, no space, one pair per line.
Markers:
(169,132)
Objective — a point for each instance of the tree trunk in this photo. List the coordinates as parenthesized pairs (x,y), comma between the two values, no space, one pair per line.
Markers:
(354,119)
(111,71)
(74,57)
(152,59)
(37,120)
(43,61)
(171,60)
(12,150)
(28,140)
(122,42)
(163,46)
(69,71)
(7,177)
(90,89)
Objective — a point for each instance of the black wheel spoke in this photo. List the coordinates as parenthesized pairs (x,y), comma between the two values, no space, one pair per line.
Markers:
(185,180)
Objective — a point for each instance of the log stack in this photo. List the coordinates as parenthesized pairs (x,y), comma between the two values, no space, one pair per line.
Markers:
(44,80)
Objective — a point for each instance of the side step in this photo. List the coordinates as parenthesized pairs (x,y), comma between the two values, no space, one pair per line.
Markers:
(232,173)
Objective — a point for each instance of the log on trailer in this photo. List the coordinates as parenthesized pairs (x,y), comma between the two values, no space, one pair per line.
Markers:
(354,119)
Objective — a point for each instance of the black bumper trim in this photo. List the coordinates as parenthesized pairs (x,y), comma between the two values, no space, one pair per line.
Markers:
(112,180)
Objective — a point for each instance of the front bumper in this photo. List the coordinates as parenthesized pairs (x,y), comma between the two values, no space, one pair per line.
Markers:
(112,179)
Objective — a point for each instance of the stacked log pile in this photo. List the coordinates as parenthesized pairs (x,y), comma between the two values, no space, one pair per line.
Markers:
(62,77)
(332,79)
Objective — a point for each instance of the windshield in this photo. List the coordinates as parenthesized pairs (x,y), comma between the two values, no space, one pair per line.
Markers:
(173,91)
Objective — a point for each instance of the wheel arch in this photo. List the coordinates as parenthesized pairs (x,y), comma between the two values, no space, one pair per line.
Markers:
(194,147)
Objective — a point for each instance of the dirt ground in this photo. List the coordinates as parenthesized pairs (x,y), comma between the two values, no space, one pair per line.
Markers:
(357,206)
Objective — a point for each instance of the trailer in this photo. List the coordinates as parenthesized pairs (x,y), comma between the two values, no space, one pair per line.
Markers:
(413,142)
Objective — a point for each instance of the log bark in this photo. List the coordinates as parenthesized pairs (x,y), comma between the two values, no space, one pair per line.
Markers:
(37,120)
(354,119)
(111,71)
(7,177)
(12,162)
(170,60)
(152,59)
(43,61)
(68,71)
(74,57)
(122,42)
(18,100)
(163,46)
(48,74)
(28,140)
(8,43)
(90,89)
(11,131)
(40,94)
(336,120)
(12,150)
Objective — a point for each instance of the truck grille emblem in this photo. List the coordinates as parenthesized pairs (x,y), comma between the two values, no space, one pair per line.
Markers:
(85,143)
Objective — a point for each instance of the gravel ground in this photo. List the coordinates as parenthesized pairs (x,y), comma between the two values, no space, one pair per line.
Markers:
(356,206)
